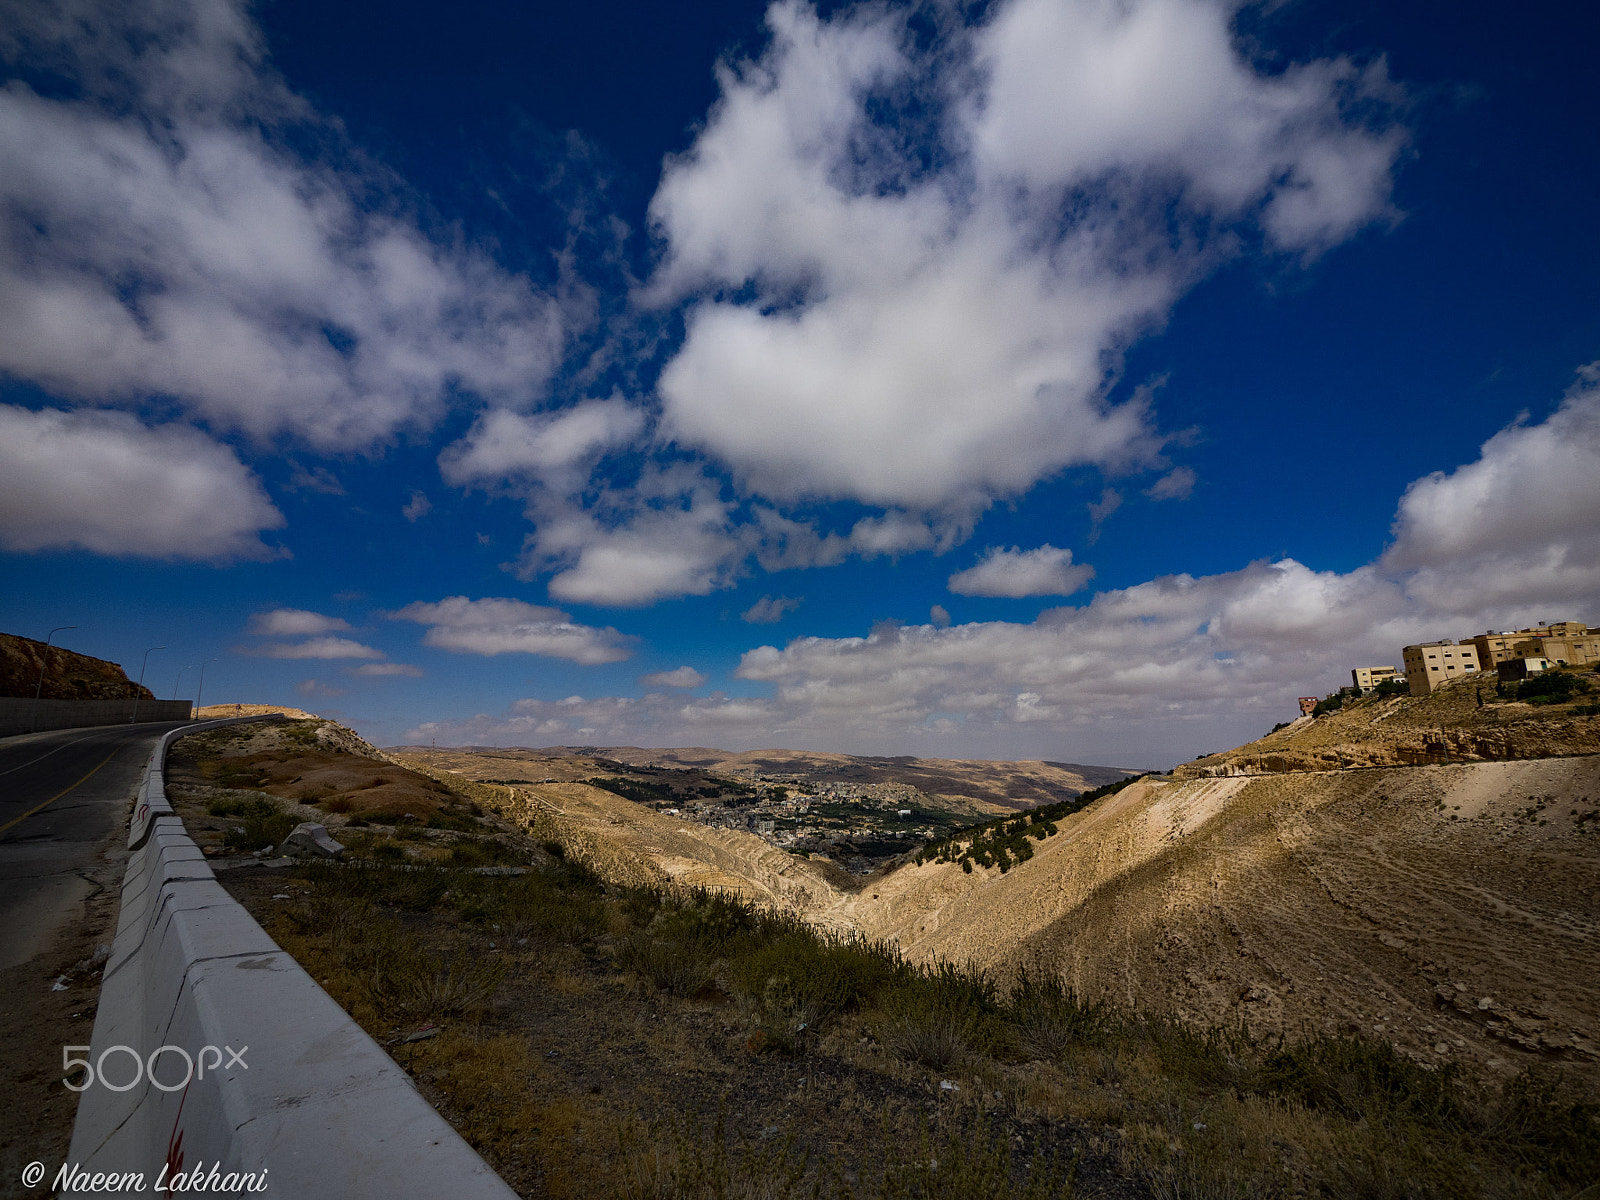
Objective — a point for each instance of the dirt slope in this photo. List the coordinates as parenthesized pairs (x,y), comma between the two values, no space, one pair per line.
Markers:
(1454,908)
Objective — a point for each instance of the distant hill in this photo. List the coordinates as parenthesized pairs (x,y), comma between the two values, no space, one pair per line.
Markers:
(996,786)
(68,675)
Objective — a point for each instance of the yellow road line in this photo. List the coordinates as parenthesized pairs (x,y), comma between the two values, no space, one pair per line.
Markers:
(58,795)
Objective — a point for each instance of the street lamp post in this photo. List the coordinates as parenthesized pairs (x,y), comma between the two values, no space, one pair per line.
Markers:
(201,690)
(44,661)
(175,682)
(140,687)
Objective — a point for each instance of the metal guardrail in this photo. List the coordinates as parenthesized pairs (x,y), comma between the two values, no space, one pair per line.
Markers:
(216,1057)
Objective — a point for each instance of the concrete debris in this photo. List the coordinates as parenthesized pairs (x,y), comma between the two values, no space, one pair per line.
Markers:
(310,840)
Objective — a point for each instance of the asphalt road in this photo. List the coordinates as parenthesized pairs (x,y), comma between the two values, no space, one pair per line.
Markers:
(62,793)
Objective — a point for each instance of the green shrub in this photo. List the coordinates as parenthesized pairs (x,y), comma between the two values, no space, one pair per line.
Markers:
(1004,841)
(262,822)
(538,905)
(797,981)
(710,919)
(1362,1080)
(1209,1059)
(388,851)
(1329,703)
(1545,1134)
(1554,686)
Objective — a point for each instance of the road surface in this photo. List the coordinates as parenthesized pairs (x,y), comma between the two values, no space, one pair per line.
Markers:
(62,793)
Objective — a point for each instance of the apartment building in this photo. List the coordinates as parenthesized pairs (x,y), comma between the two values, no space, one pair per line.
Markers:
(1563,651)
(1367,678)
(1435,663)
(1495,648)
(1569,643)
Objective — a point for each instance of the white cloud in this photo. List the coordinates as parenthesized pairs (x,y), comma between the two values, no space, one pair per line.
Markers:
(317,647)
(507,445)
(417,507)
(1101,511)
(1157,672)
(315,687)
(314,479)
(939,617)
(160,236)
(1081,89)
(294,622)
(104,482)
(501,626)
(1045,571)
(670,534)
(683,677)
(1521,520)
(385,670)
(1175,647)
(656,719)
(770,610)
(1176,484)
(932,339)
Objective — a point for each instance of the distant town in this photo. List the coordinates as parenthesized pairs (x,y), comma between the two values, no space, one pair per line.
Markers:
(858,825)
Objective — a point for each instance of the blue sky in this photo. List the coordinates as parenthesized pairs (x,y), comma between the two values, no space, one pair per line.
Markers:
(1047,378)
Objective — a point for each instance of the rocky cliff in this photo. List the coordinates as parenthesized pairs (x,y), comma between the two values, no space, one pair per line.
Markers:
(67,674)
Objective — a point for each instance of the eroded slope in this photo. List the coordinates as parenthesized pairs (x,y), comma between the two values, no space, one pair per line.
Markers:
(1452,908)
(630,841)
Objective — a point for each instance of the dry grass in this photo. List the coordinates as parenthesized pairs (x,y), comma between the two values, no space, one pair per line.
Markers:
(1201,1112)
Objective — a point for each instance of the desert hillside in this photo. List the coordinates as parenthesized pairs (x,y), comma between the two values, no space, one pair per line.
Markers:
(68,675)
(1455,909)
(1452,907)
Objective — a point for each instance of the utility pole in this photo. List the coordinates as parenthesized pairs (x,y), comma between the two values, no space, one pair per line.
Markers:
(200,691)
(144,662)
(44,661)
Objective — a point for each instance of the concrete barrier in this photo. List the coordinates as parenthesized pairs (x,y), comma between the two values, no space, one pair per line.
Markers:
(295,1100)
(17,713)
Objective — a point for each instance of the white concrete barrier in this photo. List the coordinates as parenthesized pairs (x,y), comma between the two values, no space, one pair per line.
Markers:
(212,1048)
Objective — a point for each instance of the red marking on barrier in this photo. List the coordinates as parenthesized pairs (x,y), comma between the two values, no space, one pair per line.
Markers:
(175,1139)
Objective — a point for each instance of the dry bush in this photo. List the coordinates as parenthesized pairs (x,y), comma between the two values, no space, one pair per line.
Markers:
(1051,1019)
(410,982)
(679,968)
